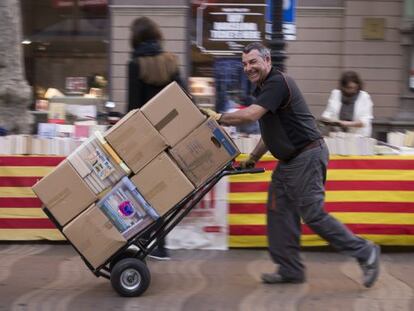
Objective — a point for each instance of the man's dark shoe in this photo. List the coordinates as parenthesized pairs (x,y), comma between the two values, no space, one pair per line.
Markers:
(276,278)
(159,254)
(370,268)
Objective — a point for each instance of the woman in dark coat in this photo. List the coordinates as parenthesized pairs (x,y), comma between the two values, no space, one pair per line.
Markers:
(149,71)
(150,68)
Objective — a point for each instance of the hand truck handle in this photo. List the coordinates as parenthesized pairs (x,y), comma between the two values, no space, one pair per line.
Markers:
(238,171)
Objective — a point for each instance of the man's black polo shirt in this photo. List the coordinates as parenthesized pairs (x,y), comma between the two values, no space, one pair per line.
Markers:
(288,126)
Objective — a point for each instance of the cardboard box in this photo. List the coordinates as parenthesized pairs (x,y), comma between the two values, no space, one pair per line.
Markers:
(173,113)
(162,183)
(135,140)
(204,152)
(95,237)
(127,209)
(64,193)
(96,166)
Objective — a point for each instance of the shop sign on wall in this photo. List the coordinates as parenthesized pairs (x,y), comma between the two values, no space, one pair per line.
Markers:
(223,28)
(288,21)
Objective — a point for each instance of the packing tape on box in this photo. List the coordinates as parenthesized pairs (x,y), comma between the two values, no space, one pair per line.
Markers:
(112,152)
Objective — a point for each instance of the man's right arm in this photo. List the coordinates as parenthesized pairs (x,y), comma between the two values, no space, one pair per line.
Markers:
(250,114)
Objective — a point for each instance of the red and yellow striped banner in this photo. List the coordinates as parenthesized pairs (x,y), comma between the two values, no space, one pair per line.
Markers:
(372,195)
(21,215)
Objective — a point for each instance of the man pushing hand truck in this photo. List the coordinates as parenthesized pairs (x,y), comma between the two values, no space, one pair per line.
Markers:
(297,188)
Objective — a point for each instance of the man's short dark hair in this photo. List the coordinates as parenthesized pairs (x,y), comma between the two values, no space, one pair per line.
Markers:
(260,47)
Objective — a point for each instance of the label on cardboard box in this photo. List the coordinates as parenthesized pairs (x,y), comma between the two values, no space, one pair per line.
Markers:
(98,169)
(102,166)
(127,209)
(225,142)
(204,152)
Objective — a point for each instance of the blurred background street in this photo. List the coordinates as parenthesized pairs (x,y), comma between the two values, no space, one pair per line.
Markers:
(53,277)
(65,76)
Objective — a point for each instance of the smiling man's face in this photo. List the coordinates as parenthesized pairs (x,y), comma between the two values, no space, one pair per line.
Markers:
(255,66)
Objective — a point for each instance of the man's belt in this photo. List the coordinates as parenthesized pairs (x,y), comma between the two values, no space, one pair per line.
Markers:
(311,145)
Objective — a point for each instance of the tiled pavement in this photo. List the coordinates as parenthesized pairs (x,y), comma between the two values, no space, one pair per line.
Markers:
(47,277)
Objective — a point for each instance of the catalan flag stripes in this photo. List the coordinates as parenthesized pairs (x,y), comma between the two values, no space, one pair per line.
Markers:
(371,195)
(21,215)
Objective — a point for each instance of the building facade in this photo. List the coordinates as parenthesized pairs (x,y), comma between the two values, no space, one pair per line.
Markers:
(373,37)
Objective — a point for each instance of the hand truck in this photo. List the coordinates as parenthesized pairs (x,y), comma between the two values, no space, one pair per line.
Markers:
(126,269)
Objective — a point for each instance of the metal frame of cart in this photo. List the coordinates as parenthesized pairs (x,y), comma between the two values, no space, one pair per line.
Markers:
(126,268)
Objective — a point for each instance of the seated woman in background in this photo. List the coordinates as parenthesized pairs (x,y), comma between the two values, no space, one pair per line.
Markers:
(349,107)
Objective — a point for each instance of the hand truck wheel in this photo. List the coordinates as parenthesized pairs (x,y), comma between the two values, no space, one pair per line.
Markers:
(128,253)
(130,277)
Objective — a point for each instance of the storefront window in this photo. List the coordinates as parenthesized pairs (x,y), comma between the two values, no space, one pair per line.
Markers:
(409,9)
(66,46)
(409,18)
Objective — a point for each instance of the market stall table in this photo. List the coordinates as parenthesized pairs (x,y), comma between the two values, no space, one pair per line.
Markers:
(372,195)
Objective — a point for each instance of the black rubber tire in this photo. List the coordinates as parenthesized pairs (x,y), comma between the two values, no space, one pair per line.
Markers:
(128,253)
(130,277)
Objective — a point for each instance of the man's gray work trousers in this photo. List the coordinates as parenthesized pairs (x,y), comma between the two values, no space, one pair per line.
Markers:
(297,191)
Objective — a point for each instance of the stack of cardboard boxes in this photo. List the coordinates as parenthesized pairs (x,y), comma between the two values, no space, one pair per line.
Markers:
(113,187)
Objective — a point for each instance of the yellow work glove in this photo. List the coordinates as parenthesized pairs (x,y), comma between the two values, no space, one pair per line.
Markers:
(249,163)
(211,113)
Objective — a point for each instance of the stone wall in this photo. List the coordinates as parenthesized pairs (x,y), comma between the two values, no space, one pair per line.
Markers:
(330,40)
